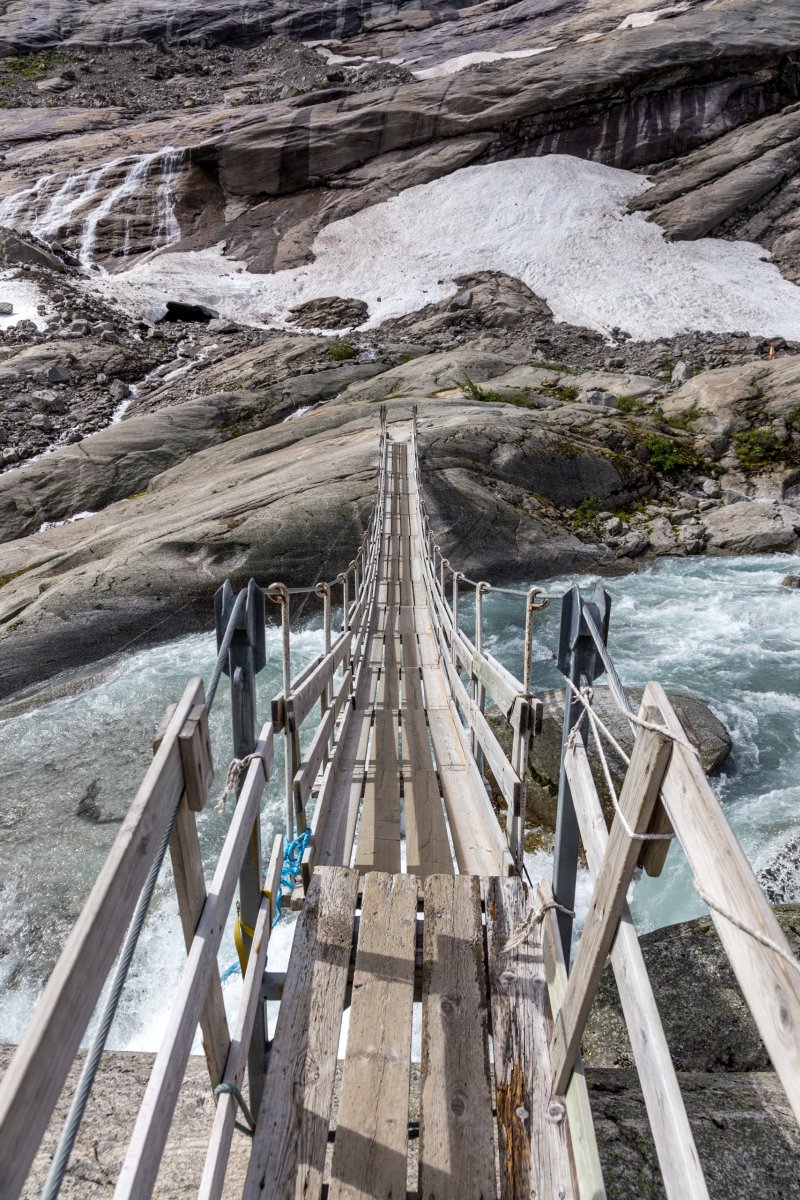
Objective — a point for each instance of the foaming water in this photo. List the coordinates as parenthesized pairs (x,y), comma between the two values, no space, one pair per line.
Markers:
(722,628)
(71,768)
(725,629)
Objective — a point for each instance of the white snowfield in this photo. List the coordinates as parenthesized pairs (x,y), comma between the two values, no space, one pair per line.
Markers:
(638,20)
(557,223)
(451,66)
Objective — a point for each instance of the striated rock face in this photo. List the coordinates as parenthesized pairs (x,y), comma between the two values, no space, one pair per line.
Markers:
(27,25)
(268,176)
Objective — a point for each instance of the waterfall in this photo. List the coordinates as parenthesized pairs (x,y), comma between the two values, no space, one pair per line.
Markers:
(74,207)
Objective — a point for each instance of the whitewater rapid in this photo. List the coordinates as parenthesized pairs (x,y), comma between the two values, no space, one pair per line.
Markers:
(722,628)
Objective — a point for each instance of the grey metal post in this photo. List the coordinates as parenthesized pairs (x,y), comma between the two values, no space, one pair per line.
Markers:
(247,656)
(579,660)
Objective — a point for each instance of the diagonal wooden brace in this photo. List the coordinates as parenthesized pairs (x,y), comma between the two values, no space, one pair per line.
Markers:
(649,762)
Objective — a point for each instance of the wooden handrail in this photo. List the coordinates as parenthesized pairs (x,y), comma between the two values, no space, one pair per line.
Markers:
(213,1181)
(41,1063)
(651,755)
(770,985)
(140,1167)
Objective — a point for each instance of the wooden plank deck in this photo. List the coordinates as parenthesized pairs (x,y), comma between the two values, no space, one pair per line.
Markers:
(471,987)
(404,769)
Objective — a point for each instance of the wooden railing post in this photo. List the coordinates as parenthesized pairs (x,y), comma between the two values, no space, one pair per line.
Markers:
(187,868)
(579,661)
(247,656)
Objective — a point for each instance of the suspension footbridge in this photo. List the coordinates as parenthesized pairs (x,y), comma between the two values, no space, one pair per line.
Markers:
(419,932)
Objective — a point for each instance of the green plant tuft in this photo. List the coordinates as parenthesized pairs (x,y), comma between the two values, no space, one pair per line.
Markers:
(341,350)
(758,447)
(630,404)
(663,454)
(585,518)
(472,391)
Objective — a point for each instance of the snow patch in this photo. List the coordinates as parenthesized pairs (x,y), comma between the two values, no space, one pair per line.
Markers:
(25,298)
(638,20)
(452,65)
(557,223)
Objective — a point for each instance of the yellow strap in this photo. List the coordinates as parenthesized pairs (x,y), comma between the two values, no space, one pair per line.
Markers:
(240,928)
(241,950)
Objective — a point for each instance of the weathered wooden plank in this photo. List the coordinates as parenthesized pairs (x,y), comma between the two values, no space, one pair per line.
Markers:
(36,1074)
(378,846)
(312,761)
(770,985)
(303,699)
(478,841)
(649,761)
(187,869)
(456,1151)
(506,777)
(288,1151)
(672,1133)
(427,844)
(369,1156)
(532,1132)
(190,886)
(194,745)
(142,1159)
(212,1184)
(588,1171)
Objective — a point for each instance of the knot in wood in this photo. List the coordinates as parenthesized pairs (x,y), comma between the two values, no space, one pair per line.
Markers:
(457,1102)
(449,1006)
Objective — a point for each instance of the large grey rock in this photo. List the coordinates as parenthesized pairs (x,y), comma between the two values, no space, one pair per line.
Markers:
(284,502)
(706,1019)
(751,527)
(122,459)
(709,734)
(745,180)
(330,312)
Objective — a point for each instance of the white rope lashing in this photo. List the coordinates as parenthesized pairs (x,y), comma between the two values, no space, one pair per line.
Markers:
(236,770)
(585,697)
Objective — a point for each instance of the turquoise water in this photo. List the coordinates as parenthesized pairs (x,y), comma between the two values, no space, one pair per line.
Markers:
(723,628)
(726,630)
(90,752)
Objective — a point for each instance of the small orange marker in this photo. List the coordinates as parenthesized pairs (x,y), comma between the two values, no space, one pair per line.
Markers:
(772,350)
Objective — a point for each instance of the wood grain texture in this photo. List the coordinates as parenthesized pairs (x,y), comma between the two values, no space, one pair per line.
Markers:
(580,1121)
(649,761)
(456,1152)
(33,1081)
(292,1126)
(369,1157)
(677,1153)
(140,1168)
(190,886)
(532,1131)
(212,1184)
(770,985)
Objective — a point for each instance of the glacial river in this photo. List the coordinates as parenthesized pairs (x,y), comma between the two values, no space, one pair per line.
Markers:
(722,628)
